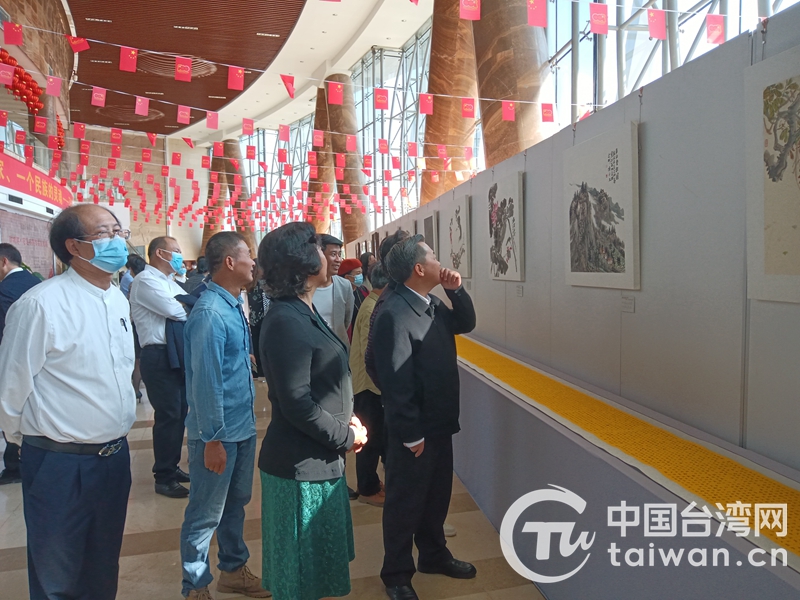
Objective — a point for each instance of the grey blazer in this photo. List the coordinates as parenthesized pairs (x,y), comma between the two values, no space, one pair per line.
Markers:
(343,302)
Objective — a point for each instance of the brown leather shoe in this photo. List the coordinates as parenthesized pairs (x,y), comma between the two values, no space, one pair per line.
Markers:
(241,581)
(201,594)
(375,500)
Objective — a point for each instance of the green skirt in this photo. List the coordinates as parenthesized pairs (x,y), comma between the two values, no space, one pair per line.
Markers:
(307,538)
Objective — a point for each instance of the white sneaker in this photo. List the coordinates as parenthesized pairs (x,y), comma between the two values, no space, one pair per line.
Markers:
(449,530)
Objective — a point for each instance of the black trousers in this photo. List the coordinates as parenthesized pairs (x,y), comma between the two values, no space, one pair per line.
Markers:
(75,508)
(166,389)
(368,408)
(11,458)
(418,493)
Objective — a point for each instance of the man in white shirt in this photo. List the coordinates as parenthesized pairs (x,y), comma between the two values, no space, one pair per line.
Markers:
(334,301)
(152,303)
(65,394)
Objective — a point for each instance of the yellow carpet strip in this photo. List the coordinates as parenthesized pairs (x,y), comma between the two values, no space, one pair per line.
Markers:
(704,473)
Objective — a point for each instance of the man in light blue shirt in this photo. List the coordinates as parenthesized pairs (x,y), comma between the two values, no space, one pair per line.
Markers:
(220,424)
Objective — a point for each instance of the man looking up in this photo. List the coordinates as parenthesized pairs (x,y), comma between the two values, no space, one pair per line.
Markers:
(415,354)
(152,303)
(334,300)
(221,425)
(14,281)
(65,395)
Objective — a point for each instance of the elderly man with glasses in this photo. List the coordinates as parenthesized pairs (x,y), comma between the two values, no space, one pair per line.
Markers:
(65,395)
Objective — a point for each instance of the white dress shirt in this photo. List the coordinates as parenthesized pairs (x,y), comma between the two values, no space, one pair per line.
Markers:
(152,303)
(66,361)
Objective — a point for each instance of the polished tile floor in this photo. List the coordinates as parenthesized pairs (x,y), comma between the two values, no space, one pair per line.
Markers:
(150,562)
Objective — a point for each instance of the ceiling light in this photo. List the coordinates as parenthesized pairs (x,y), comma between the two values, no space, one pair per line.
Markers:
(102,62)
(98,20)
(171,126)
(75,109)
(121,123)
(275,35)
(219,97)
(155,93)
(187,27)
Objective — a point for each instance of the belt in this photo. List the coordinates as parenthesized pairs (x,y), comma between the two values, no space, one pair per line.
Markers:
(44,443)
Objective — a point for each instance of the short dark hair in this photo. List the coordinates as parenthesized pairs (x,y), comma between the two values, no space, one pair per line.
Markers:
(378,276)
(404,256)
(159,243)
(68,226)
(135,264)
(329,240)
(220,246)
(287,256)
(202,265)
(388,243)
(11,253)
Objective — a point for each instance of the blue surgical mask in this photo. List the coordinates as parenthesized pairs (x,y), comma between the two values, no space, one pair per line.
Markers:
(181,271)
(358,280)
(110,255)
(176,262)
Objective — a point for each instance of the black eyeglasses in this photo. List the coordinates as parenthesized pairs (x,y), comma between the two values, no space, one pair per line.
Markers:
(125,234)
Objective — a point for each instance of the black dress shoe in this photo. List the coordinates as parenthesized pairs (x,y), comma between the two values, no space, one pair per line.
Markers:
(8,476)
(181,476)
(457,569)
(173,489)
(352,494)
(402,592)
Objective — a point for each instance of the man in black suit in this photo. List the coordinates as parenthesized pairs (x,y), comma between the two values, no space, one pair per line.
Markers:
(415,356)
(14,281)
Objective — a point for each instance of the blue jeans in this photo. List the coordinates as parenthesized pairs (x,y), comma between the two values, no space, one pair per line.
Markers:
(216,503)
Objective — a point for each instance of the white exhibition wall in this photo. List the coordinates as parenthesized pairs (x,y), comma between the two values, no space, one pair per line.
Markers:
(695,349)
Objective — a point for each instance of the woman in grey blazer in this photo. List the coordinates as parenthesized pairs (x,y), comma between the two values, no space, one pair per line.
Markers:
(307,532)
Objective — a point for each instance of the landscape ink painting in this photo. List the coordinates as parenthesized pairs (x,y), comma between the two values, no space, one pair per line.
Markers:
(601,201)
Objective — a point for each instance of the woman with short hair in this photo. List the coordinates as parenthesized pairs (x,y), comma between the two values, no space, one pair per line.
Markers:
(307,530)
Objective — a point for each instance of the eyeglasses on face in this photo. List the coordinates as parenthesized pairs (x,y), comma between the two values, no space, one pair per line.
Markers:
(125,234)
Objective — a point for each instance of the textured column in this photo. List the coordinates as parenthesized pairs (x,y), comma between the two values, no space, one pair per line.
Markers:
(342,122)
(214,224)
(232,150)
(321,216)
(452,73)
(512,65)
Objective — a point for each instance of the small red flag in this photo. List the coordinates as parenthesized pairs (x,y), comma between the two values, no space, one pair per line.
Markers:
(381,99)
(288,82)
(78,44)
(426,104)
(218,149)
(341,161)
(79,130)
(205,161)
(715,29)
(383,146)
(212,120)
(152,137)
(84,147)
(116,151)
(247,126)
(147,154)
(127,59)
(350,143)
(137,167)
(53,86)
(39,124)
(441,150)
(318,138)
(235,78)
(547,113)
(335,92)
(116,135)
(98,96)
(183,68)
(142,106)
(251,153)
(537,13)
(3,118)
(283,133)
(288,170)
(657,23)
(6,74)
(165,173)
(470,10)
(313,172)
(184,113)
(412,149)
(468,108)
(598,17)
(190,175)
(176,159)
(368,161)
(12,34)
(189,142)
(396,162)
(312,156)
(52,144)
(509,110)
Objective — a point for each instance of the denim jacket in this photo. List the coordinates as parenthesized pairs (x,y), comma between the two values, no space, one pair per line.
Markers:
(219,384)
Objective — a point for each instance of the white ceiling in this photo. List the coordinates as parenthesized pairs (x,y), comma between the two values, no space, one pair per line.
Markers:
(330,37)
